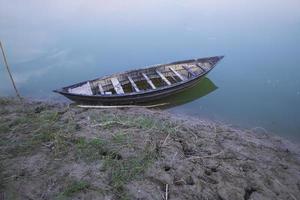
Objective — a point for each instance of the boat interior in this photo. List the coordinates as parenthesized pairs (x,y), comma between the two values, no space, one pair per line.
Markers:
(151,78)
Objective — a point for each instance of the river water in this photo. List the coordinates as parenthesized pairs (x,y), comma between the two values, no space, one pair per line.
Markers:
(50,44)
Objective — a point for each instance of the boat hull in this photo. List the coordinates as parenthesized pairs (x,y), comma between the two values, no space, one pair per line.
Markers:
(132,98)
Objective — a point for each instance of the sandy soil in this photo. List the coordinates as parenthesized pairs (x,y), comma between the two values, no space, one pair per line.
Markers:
(55,151)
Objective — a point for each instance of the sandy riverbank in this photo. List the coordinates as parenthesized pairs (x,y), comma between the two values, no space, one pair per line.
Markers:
(53,151)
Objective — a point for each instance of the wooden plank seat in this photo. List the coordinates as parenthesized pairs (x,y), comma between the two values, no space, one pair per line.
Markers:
(189,70)
(84,89)
(133,84)
(176,73)
(149,81)
(163,77)
(117,86)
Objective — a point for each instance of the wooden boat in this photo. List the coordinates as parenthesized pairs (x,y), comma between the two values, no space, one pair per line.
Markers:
(141,85)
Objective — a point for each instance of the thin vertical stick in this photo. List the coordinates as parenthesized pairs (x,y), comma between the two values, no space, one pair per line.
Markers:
(8,70)
(167,191)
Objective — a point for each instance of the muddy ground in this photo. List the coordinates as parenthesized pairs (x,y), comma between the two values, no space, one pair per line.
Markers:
(56,151)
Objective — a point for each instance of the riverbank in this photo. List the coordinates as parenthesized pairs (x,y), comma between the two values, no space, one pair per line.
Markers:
(56,151)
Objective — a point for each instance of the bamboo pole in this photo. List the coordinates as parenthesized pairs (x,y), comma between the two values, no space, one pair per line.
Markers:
(9,72)
(122,106)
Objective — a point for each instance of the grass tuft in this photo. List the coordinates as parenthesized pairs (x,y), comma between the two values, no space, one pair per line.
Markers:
(32,130)
(75,187)
(120,138)
(4,128)
(109,121)
(5,101)
(90,150)
(123,171)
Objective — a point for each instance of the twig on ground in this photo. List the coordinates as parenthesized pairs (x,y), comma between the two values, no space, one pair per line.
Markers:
(121,106)
(174,156)
(167,191)
(164,142)
(201,157)
(108,123)
(258,128)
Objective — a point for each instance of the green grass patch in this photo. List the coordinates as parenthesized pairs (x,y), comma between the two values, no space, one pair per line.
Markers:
(120,138)
(123,171)
(2,182)
(33,129)
(75,187)
(22,119)
(144,122)
(49,116)
(91,150)
(4,128)
(5,101)
(4,111)
(108,120)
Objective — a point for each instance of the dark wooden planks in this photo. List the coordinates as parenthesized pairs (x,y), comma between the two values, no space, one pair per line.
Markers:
(198,65)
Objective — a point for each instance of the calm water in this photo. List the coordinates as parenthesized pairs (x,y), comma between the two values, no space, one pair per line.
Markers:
(55,43)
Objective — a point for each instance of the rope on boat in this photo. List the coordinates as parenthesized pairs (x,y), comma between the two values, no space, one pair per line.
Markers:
(122,106)
(9,72)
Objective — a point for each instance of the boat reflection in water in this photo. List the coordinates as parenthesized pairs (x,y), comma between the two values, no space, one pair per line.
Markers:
(201,89)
